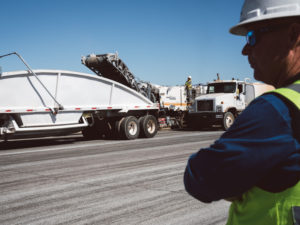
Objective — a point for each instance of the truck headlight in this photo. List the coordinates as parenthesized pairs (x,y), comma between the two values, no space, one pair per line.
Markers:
(219,108)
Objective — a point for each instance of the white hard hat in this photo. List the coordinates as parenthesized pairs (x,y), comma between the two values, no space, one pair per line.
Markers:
(189,77)
(259,10)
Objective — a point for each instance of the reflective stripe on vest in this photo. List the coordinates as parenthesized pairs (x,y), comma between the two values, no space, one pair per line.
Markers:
(291,92)
(188,84)
(259,207)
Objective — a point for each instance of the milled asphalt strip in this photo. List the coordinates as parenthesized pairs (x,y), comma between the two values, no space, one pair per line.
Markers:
(106,143)
(61,160)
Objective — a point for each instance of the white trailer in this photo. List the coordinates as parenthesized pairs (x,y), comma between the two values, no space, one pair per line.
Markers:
(54,102)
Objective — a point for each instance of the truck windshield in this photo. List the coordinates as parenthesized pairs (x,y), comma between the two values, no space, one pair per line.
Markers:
(221,88)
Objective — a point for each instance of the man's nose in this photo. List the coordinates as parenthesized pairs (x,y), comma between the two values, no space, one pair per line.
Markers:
(246,49)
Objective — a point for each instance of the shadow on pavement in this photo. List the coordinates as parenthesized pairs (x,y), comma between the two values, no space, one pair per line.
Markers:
(199,129)
(38,142)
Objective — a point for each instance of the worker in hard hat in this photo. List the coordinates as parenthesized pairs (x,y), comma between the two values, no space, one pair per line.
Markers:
(188,88)
(256,162)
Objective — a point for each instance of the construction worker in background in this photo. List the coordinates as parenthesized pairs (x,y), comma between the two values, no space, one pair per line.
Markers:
(256,162)
(188,88)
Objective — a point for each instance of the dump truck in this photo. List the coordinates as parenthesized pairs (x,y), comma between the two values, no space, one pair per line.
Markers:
(55,102)
(223,102)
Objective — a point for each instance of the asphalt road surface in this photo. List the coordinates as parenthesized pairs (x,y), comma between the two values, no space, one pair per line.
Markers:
(66,180)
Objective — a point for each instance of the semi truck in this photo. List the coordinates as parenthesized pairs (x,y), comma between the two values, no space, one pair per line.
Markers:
(55,102)
(223,102)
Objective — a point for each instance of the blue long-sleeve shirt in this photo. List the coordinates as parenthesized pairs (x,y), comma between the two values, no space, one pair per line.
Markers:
(259,149)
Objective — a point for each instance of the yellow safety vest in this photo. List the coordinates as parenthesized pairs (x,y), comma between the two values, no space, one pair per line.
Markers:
(188,84)
(259,207)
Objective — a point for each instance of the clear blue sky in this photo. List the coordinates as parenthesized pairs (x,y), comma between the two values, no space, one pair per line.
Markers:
(161,41)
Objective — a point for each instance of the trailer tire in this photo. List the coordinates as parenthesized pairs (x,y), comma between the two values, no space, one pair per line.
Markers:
(148,126)
(129,128)
(228,120)
(116,128)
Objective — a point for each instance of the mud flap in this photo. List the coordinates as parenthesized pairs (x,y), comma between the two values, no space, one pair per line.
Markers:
(296,215)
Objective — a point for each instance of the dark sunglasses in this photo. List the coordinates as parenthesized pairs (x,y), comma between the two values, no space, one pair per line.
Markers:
(253,35)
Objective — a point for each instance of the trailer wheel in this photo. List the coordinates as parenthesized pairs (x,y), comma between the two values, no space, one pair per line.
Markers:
(129,128)
(228,120)
(148,126)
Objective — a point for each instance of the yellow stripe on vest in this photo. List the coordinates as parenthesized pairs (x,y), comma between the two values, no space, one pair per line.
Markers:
(290,94)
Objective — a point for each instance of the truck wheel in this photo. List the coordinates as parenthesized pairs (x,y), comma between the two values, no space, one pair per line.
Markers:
(148,126)
(129,128)
(228,120)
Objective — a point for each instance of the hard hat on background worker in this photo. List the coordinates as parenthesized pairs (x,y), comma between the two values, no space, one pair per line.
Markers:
(189,77)
(260,10)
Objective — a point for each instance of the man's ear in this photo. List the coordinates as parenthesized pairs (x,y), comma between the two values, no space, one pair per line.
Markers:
(294,35)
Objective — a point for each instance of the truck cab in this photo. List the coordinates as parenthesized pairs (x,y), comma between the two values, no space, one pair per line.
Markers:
(223,102)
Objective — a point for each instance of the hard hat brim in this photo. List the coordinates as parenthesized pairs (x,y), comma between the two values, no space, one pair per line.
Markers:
(241,28)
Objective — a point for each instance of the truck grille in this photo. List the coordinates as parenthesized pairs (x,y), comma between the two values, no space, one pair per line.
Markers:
(205,105)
